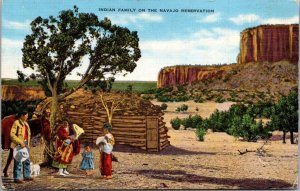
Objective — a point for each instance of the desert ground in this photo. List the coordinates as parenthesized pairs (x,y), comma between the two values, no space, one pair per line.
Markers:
(185,164)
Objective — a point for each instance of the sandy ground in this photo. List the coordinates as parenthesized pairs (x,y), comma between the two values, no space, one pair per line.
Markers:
(186,164)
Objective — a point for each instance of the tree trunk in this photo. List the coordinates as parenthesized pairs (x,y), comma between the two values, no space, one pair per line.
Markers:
(283,138)
(292,137)
(48,153)
(49,146)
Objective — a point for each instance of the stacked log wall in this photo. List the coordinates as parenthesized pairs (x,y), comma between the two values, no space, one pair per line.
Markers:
(129,124)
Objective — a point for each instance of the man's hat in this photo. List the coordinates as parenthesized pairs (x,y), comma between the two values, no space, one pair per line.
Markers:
(21,154)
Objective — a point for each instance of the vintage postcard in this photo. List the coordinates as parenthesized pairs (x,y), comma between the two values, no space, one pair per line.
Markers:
(140,94)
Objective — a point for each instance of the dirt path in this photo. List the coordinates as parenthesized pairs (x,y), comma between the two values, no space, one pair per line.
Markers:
(186,164)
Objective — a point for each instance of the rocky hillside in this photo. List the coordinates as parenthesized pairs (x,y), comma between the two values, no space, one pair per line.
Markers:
(267,62)
(10,92)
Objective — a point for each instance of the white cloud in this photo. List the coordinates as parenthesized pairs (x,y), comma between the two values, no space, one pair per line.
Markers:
(16,25)
(244,18)
(10,43)
(210,18)
(288,20)
(218,45)
(205,46)
(296,1)
(130,18)
(253,18)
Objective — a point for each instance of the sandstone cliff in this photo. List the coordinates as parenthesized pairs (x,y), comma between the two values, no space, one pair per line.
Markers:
(183,75)
(10,92)
(269,43)
(265,43)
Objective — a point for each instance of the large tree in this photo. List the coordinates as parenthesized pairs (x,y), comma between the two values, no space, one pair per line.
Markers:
(285,115)
(59,45)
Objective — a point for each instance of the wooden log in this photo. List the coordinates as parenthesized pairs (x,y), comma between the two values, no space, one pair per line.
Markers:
(93,132)
(128,120)
(129,125)
(163,136)
(162,147)
(132,144)
(161,124)
(116,133)
(129,129)
(129,139)
(99,117)
(130,117)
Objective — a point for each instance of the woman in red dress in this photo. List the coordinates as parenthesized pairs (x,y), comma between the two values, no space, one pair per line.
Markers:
(66,148)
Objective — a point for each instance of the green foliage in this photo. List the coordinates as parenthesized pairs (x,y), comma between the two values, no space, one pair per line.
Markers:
(184,107)
(247,128)
(181,98)
(100,84)
(147,97)
(200,133)
(175,123)
(163,106)
(219,99)
(191,121)
(187,122)
(164,98)
(219,121)
(197,119)
(284,115)
(13,107)
(129,89)
(57,45)
(198,99)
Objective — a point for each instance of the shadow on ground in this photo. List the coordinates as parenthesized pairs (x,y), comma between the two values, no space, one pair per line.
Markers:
(170,150)
(182,176)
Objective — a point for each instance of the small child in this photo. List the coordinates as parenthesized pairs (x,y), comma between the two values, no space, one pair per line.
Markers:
(87,162)
(105,144)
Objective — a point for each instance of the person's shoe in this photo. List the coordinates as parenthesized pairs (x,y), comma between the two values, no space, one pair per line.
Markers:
(28,179)
(61,173)
(66,172)
(109,177)
(103,176)
(18,181)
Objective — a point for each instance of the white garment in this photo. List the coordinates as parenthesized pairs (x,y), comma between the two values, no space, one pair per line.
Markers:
(104,145)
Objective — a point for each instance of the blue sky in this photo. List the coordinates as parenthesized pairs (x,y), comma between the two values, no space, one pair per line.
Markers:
(166,38)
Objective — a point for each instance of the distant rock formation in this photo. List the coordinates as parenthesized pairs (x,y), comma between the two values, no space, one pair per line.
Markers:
(265,43)
(269,43)
(10,92)
(179,75)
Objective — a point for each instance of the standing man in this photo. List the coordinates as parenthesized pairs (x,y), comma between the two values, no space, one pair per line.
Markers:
(20,135)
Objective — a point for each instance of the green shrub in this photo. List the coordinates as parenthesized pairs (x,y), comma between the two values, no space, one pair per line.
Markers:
(163,106)
(219,99)
(147,97)
(184,107)
(164,98)
(175,123)
(200,133)
(198,99)
(187,122)
(247,128)
(181,98)
(197,119)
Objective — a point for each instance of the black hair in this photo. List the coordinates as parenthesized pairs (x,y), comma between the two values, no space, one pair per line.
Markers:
(21,113)
(107,126)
